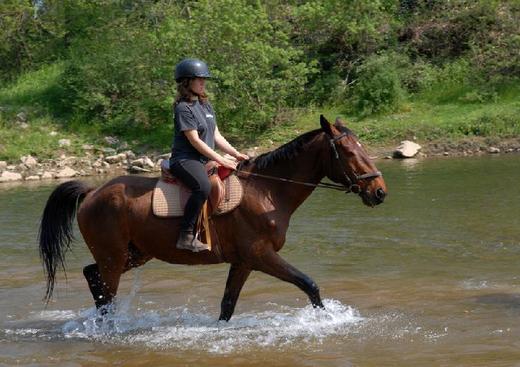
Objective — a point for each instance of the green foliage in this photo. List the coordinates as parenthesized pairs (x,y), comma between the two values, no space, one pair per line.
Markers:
(258,71)
(418,76)
(113,70)
(378,86)
(38,88)
(444,84)
(35,140)
(105,67)
(494,53)
(30,36)
(121,71)
(486,32)
(337,34)
(421,120)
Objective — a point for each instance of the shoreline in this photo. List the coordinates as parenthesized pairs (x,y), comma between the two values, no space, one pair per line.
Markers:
(468,147)
(104,162)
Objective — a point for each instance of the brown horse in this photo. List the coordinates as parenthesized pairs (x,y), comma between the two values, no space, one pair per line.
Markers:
(118,225)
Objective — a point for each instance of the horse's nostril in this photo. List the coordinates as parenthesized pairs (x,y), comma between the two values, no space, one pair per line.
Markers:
(380,194)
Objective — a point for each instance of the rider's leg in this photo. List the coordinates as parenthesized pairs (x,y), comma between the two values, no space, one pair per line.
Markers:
(193,174)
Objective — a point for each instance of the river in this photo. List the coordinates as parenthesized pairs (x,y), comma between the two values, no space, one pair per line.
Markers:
(429,278)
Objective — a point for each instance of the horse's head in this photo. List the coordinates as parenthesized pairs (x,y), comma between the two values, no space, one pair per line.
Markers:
(351,166)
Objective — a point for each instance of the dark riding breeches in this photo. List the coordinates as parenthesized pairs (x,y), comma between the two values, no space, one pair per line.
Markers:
(193,174)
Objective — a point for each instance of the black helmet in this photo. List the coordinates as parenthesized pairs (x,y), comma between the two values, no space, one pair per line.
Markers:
(191,68)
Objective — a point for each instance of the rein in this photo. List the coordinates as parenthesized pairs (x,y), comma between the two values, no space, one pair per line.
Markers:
(350,187)
(323,185)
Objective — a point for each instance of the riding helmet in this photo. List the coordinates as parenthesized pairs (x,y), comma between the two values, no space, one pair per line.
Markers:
(191,68)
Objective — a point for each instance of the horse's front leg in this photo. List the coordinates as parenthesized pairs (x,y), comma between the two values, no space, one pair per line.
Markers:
(238,274)
(271,263)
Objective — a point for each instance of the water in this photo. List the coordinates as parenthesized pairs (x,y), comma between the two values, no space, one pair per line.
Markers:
(430,278)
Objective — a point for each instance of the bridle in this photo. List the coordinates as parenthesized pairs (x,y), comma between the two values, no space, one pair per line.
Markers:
(352,185)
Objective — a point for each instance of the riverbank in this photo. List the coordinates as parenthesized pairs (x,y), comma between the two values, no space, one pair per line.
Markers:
(115,160)
(35,145)
(113,157)
(453,128)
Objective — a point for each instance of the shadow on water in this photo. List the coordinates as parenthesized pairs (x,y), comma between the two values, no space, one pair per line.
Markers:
(507,300)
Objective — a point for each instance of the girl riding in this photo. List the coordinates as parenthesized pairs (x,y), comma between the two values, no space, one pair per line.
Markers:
(195,136)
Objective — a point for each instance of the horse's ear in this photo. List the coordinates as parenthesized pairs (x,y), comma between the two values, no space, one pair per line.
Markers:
(325,125)
(339,122)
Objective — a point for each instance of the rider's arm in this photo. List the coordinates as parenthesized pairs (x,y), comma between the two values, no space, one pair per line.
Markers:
(223,144)
(204,149)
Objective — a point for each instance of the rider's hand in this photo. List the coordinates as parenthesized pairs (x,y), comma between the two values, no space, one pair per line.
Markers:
(242,157)
(228,163)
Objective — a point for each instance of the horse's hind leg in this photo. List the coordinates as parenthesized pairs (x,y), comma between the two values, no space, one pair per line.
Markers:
(103,282)
(271,263)
(103,222)
(110,252)
(95,284)
(103,290)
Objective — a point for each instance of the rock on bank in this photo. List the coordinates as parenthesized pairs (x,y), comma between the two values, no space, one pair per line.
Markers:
(101,162)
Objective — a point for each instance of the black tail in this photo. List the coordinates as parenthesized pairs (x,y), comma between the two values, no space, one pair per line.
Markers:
(55,233)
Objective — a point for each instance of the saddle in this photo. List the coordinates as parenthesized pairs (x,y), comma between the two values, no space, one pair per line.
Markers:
(170,195)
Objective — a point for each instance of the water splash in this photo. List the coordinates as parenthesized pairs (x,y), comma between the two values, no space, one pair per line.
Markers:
(181,328)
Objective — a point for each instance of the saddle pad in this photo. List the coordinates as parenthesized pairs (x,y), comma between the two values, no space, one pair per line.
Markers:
(166,198)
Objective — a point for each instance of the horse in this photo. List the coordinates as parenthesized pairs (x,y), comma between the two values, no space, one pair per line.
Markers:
(121,231)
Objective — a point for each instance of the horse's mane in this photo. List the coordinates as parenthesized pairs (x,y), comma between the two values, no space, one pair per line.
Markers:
(287,151)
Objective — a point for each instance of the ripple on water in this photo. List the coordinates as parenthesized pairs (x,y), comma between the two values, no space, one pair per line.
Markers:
(476,284)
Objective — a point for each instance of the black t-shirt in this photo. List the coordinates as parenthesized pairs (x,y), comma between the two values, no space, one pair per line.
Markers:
(192,116)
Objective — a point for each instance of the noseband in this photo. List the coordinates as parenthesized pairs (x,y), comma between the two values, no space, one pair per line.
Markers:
(352,184)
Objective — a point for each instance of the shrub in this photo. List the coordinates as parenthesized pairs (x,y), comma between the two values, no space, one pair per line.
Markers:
(378,86)
(495,52)
(418,76)
(338,34)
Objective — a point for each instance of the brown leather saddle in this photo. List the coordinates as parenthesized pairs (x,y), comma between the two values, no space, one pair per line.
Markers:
(170,195)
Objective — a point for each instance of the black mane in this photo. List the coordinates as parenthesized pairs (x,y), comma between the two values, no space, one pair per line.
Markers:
(287,151)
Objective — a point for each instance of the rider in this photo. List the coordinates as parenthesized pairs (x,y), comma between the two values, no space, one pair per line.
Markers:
(195,137)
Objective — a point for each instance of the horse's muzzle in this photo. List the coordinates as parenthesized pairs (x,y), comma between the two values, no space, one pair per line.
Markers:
(380,195)
(373,198)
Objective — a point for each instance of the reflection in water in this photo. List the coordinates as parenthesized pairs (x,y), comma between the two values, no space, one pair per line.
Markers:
(430,275)
(410,164)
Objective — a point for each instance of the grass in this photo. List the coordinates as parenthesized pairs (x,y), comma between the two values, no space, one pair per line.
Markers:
(34,92)
(37,94)
(419,120)
(38,139)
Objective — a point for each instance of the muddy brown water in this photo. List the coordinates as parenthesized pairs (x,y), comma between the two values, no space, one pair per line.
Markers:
(429,278)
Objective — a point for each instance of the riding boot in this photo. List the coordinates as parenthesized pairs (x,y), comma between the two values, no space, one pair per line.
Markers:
(188,241)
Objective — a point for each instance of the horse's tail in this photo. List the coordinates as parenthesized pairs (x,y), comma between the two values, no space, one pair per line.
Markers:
(55,233)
